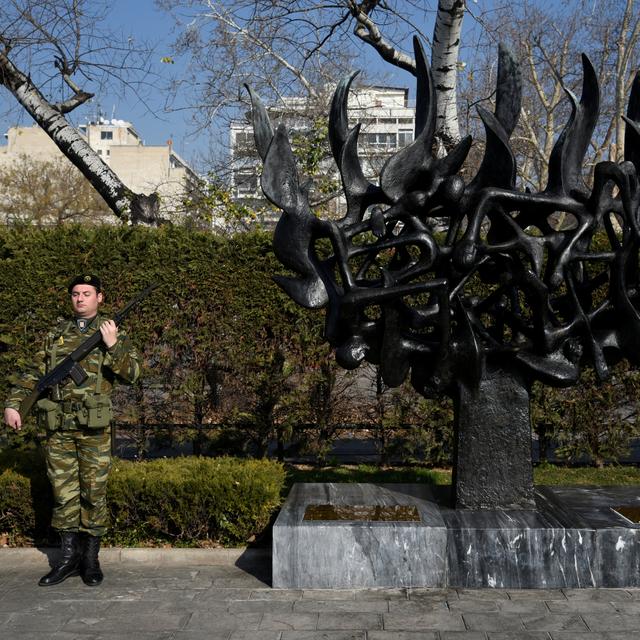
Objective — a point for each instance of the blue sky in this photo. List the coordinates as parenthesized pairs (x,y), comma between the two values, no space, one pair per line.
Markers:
(142,21)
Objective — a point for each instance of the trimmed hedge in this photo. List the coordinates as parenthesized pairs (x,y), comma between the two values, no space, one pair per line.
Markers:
(182,501)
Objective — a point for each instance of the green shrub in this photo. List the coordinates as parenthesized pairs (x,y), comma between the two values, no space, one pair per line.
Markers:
(25,496)
(182,501)
(17,515)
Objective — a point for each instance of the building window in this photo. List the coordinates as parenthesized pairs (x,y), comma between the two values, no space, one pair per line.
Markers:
(246,183)
(106,135)
(244,140)
(99,152)
(381,140)
(405,136)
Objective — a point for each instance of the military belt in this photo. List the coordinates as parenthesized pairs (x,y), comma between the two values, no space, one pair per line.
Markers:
(71,406)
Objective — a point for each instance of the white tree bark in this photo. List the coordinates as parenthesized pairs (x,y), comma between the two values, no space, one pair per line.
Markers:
(126,205)
(444,64)
(629,34)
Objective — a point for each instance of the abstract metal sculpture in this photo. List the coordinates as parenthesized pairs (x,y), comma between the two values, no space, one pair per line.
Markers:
(500,298)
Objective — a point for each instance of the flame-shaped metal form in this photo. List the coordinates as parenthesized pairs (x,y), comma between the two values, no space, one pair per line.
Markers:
(498,299)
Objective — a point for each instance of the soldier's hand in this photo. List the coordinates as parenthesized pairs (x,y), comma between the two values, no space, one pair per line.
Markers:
(109,331)
(13,419)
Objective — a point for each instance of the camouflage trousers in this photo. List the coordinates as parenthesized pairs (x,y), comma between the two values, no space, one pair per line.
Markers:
(78,464)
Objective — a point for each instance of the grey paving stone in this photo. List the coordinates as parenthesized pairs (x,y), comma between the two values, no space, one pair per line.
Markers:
(518,635)
(181,608)
(611,622)
(63,635)
(433,594)
(275,594)
(492,621)
(382,594)
(202,621)
(33,622)
(598,595)
(463,635)
(357,606)
(555,622)
(126,635)
(226,593)
(585,606)
(323,635)
(203,635)
(437,621)
(163,595)
(17,602)
(254,606)
(181,584)
(289,621)
(251,635)
(123,608)
(627,608)
(403,635)
(536,594)
(356,621)
(530,607)
(484,594)
(422,605)
(474,605)
(580,635)
(241,580)
(329,594)
(145,623)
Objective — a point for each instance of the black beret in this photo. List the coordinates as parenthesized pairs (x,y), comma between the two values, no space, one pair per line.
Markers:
(94,281)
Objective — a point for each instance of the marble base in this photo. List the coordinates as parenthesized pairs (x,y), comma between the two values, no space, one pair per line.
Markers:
(343,554)
(572,539)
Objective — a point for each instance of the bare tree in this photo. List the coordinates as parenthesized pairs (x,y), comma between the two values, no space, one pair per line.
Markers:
(48,49)
(548,42)
(47,193)
(302,47)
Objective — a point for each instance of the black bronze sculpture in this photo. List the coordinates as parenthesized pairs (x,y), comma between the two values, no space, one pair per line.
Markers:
(499,298)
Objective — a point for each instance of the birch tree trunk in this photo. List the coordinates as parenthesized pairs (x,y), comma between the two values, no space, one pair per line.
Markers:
(444,59)
(629,34)
(126,205)
(444,64)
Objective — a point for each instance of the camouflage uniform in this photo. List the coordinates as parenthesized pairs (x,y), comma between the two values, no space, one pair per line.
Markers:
(77,419)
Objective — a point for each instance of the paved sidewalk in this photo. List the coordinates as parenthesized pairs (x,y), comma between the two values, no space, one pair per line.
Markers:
(161,598)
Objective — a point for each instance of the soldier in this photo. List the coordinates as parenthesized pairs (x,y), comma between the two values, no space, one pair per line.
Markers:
(78,448)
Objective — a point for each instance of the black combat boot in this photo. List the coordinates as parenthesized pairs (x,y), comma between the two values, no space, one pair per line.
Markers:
(69,563)
(91,572)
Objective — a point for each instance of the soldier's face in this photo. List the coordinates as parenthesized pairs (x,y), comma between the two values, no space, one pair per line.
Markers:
(85,300)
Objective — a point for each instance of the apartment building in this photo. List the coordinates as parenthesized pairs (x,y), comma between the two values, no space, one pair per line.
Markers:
(388,123)
(144,169)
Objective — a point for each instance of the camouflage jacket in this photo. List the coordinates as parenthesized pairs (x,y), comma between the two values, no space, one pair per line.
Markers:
(103,366)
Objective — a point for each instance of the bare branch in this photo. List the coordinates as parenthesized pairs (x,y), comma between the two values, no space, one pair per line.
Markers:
(367,30)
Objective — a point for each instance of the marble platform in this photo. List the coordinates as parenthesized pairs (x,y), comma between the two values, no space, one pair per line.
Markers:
(573,538)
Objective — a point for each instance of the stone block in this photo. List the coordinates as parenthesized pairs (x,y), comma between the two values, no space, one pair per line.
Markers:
(322,554)
(574,539)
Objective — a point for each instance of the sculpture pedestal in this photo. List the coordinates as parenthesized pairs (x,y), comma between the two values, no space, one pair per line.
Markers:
(492,459)
(572,539)
(325,554)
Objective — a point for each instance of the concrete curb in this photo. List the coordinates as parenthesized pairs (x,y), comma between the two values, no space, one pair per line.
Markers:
(151,555)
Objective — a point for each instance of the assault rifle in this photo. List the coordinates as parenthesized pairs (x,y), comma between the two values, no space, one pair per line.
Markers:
(70,366)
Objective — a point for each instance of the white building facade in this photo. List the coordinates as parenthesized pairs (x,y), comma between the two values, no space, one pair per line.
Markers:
(388,124)
(143,169)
